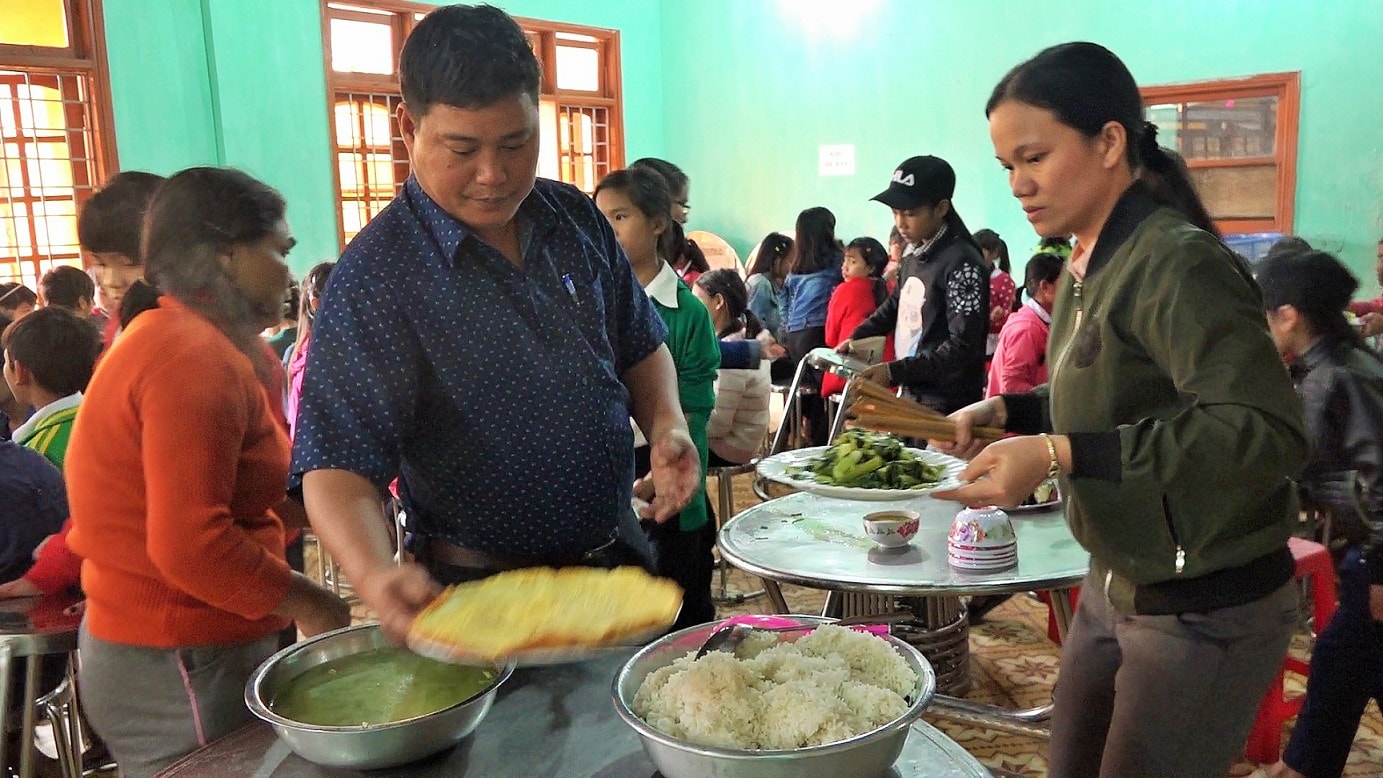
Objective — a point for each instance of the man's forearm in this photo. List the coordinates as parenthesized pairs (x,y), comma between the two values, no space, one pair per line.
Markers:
(652,387)
(345,512)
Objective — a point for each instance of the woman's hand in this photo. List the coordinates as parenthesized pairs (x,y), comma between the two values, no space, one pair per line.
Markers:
(843,347)
(313,608)
(1005,472)
(985,413)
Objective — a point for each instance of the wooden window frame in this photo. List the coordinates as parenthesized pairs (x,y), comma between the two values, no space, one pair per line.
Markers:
(542,33)
(1286,87)
(85,58)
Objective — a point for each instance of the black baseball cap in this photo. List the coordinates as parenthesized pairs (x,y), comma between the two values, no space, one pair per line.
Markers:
(925,180)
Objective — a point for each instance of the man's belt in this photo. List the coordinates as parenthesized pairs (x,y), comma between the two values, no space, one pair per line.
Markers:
(440,551)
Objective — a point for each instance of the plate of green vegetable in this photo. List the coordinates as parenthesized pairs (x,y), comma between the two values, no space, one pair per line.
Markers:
(862,465)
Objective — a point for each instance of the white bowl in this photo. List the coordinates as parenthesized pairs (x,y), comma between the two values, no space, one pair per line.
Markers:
(892,529)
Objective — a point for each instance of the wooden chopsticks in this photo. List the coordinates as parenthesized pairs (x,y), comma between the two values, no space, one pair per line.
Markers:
(873,407)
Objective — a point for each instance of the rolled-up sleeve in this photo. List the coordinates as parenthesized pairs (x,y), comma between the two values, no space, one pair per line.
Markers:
(362,383)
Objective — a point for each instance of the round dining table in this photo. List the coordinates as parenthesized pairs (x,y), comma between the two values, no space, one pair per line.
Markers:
(31,630)
(557,721)
(819,542)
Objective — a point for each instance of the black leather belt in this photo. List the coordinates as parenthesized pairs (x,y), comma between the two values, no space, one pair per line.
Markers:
(440,551)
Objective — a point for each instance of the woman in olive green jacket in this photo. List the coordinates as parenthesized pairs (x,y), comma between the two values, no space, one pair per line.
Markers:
(1175,431)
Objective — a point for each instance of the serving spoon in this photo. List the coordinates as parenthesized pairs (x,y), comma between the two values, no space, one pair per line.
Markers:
(729,636)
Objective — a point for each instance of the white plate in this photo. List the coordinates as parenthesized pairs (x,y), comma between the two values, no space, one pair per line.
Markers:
(775,468)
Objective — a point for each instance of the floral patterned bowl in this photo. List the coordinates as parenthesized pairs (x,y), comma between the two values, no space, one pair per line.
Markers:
(981,527)
(891,529)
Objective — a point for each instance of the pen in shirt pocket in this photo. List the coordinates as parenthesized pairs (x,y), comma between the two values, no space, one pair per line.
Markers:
(569,284)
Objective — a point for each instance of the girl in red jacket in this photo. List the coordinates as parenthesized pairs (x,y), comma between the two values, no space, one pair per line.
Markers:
(863,290)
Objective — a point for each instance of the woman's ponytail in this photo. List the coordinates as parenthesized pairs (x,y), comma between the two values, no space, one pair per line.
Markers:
(1167,178)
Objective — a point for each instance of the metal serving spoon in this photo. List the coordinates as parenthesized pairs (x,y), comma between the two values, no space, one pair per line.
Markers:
(730,636)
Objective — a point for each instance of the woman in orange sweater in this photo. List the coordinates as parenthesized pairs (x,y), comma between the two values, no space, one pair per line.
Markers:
(174,467)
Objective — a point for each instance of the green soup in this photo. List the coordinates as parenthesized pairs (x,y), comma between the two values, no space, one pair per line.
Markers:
(377,687)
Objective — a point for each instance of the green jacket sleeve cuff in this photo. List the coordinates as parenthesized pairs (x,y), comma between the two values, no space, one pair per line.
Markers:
(1096,455)
(1024,413)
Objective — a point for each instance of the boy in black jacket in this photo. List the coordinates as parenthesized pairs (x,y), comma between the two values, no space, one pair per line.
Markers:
(939,312)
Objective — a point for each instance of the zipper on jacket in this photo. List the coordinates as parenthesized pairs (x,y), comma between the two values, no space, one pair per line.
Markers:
(1076,289)
(1180,563)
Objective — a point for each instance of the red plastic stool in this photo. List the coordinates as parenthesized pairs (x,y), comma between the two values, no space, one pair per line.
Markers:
(1053,634)
(1265,740)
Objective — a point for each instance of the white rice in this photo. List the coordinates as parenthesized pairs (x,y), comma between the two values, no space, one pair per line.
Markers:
(831,684)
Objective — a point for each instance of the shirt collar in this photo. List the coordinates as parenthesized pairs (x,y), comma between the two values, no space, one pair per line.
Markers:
(926,245)
(60,404)
(536,216)
(663,287)
(1039,310)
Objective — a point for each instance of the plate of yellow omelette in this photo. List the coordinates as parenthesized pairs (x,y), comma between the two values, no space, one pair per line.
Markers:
(544,615)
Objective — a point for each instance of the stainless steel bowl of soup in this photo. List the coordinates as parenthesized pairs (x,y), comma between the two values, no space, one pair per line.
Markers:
(350,699)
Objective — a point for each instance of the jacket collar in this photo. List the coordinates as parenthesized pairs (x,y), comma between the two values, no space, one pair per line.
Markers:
(1133,207)
(26,430)
(1324,350)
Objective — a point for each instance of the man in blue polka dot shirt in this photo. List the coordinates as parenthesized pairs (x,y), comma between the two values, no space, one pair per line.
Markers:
(483,339)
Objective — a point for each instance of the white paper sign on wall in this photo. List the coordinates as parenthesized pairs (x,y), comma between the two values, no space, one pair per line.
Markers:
(836,159)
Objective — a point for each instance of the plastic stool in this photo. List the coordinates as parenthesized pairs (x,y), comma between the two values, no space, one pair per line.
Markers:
(1265,739)
(725,508)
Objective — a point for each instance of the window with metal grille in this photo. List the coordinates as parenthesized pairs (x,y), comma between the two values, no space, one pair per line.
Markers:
(579,105)
(54,147)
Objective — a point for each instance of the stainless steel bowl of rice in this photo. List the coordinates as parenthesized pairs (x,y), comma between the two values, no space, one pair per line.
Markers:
(838,705)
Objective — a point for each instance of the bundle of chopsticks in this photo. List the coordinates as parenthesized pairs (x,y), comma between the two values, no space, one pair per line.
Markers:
(873,407)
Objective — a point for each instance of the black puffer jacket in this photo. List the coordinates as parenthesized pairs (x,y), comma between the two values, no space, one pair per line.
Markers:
(1341,387)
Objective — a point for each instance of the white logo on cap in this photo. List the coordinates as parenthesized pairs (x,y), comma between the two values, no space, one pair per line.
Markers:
(899,178)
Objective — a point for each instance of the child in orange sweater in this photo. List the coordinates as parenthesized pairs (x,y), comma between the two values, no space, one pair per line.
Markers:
(863,290)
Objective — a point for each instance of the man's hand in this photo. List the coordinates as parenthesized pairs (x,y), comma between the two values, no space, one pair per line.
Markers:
(877,374)
(397,594)
(676,472)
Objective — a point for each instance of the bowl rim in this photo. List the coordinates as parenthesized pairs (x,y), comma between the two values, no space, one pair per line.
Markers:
(926,680)
(894,516)
(259,707)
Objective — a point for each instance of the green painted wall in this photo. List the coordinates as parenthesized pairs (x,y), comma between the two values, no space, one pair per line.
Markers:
(243,83)
(905,77)
(741,93)
(160,85)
